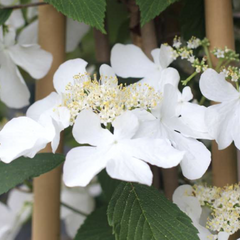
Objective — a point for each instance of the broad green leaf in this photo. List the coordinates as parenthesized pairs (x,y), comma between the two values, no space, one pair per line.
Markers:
(108,184)
(4,15)
(23,168)
(139,212)
(96,227)
(192,19)
(149,9)
(91,12)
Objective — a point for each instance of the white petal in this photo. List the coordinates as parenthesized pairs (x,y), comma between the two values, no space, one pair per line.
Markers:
(29,35)
(165,56)
(87,129)
(157,152)
(32,59)
(81,165)
(214,87)
(127,168)
(193,116)
(196,159)
(223,236)
(75,33)
(168,76)
(143,115)
(13,90)
(187,94)
(43,105)
(125,125)
(22,136)
(235,128)
(9,37)
(130,61)
(169,102)
(66,72)
(186,202)
(219,119)
(16,19)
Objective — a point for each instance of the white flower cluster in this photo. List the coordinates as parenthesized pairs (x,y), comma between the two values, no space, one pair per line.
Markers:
(106,98)
(224,203)
(221,205)
(186,52)
(226,54)
(231,73)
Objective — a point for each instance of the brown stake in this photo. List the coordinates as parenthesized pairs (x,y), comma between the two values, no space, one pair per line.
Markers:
(219,30)
(102,47)
(46,211)
(149,39)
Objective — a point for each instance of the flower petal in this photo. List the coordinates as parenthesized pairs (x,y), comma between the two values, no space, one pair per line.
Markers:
(157,152)
(29,35)
(186,202)
(125,125)
(130,61)
(165,56)
(66,72)
(214,87)
(43,105)
(197,157)
(219,120)
(87,129)
(13,90)
(193,117)
(168,76)
(235,129)
(22,137)
(32,58)
(127,168)
(75,32)
(107,73)
(81,165)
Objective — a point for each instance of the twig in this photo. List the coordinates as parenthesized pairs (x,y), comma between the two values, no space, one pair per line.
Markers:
(20,6)
(74,209)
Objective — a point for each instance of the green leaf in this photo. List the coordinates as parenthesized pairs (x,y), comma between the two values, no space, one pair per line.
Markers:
(4,15)
(96,227)
(91,12)
(108,184)
(149,9)
(192,19)
(23,168)
(139,212)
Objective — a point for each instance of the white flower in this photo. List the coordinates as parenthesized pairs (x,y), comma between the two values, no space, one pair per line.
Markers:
(191,206)
(222,119)
(46,118)
(16,19)
(79,199)
(37,62)
(130,61)
(192,114)
(75,31)
(14,213)
(123,156)
(166,124)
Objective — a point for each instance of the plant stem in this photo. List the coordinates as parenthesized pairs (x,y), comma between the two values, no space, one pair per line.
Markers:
(208,56)
(202,100)
(20,6)
(219,64)
(73,209)
(237,86)
(184,82)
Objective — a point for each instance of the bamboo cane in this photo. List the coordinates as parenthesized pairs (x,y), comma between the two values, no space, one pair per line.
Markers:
(46,211)
(219,30)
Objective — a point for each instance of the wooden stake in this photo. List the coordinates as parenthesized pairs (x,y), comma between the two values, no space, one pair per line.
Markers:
(102,47)
(46,211)
(219,30)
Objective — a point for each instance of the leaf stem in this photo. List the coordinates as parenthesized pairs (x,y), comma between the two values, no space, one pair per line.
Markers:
(74,209)
(219,64)
(20,6)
